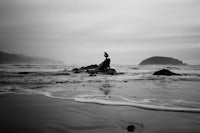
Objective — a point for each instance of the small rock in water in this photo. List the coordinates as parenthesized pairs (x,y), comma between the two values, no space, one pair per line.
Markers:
(131,128)
(111,71)
(76,70)
(165,72)
(24,72)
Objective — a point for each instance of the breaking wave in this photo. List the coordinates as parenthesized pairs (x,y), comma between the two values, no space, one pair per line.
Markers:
(144,104)
(111,100)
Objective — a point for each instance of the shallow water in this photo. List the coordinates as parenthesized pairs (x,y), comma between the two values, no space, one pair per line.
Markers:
(136,87)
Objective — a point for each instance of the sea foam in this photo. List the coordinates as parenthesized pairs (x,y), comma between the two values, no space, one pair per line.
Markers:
(145,104)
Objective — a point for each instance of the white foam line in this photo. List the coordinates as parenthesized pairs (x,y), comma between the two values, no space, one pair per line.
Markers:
(132,103)
(143,106)
(47,94)
(183,101)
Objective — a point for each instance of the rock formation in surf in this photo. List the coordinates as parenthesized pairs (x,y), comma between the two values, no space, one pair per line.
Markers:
(158,60)
(103,68)
(165,72)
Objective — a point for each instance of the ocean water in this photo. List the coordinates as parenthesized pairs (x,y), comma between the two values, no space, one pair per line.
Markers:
(137,87)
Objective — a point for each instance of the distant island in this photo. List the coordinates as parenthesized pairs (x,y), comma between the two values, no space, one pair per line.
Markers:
(7,58)
(159,60)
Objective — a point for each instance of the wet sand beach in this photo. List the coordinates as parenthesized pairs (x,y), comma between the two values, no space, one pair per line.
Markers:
(38,113)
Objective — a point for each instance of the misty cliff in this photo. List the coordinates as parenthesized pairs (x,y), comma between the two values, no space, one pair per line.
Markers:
(6,58)
(159,60)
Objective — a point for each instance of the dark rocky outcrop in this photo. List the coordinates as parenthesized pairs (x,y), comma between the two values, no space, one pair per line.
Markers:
(158,60)
(103,68)
(93,71)
(89,67)
(165,72)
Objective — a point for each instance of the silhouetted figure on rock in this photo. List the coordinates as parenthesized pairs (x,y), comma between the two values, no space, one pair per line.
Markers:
(106,55)
(105,65)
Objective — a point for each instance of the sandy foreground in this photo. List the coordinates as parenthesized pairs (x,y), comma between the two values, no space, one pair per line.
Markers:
(41,114)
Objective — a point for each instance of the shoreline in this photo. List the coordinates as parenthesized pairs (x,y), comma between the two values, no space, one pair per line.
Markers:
(38,113)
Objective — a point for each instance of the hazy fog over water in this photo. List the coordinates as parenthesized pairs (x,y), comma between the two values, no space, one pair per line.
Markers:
(79,31)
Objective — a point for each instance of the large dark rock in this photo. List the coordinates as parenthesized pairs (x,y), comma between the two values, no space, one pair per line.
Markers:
(158,60)
(88,69)
(93,72)
(165,72)
(103,68)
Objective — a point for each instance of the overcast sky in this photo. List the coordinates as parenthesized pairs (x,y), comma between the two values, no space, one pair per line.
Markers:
(79,31)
